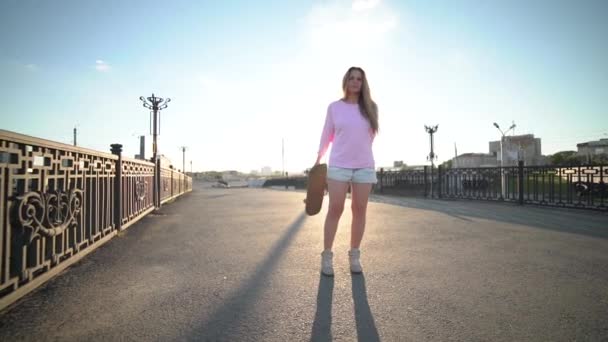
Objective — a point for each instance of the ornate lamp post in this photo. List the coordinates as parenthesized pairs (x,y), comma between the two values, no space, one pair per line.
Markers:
(155,104)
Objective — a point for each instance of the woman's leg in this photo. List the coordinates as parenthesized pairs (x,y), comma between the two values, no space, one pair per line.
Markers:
(359,197)
(337,195)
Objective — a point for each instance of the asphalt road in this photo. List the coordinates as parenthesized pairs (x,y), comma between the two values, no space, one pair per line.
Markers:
(243,265)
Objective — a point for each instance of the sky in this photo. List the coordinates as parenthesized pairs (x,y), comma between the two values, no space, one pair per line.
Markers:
(246,78)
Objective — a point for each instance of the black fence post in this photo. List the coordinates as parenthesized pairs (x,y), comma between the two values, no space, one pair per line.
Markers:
(381,179)
(157,183)
(520,178)
(117,150)
(426,186)
(172,182)
(439,176)
(286,180)
(432,185)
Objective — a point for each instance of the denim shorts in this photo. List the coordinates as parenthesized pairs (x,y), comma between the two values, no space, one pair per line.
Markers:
(365,175)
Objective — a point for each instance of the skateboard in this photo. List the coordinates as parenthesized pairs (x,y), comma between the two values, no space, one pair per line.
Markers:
(315,189)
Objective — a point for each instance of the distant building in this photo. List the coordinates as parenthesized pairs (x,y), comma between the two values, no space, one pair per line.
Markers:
(592,148)
(266,171)
(142,148)
(230,175)
(400,168)
(518,147)
(467,160)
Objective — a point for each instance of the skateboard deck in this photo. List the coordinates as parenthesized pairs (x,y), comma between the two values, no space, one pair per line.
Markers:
(315,189)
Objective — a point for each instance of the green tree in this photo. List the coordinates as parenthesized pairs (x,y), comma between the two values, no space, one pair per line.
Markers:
(447,164)
(600,159)
(564,158)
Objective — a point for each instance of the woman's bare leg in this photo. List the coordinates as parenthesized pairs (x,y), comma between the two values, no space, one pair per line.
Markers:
(337,195)
(359,198)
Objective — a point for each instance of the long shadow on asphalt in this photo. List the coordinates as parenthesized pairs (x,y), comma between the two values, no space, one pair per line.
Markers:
(222,323)
(321,327)
(366,327)
(576,221)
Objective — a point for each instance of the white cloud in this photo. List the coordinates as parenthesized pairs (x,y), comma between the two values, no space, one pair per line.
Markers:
(362,5)
(333,35)
(209,83)
(290,101)
(102,65)
(458,60)
(348,28)
(31,67)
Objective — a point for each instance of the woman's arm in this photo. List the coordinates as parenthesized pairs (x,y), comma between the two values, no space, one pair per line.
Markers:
(327,136)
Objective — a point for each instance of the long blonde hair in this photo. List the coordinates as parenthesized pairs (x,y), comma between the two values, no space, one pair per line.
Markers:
(367,106)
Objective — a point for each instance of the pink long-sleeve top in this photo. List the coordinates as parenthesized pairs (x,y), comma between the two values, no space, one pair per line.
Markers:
(351,136)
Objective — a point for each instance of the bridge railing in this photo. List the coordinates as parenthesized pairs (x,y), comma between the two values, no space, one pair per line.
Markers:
(581,186)
(58,202)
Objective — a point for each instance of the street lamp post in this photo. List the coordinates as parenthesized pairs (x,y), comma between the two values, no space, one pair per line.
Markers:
(432,156)
(183,148)
(155,104)
(503,185)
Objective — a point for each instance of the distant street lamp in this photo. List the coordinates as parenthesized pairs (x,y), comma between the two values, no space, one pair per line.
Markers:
(184,148)
(432,156)
(503,184)
(431,130)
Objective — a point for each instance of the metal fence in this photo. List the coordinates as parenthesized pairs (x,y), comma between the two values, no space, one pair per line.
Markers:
(59,202)
(569,187)
(297,182)
(173,184)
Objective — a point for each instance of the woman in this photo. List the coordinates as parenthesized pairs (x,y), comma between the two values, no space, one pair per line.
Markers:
(350,125)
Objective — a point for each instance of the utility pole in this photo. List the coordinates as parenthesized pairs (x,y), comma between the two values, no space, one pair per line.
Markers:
(432,157)
(75,136)
(155,104)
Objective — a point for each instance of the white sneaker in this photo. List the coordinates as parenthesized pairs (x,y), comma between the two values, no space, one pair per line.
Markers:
(327,267)
(355,262)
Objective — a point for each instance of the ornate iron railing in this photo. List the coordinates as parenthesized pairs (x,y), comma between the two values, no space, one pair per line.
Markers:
(137,189)
(574,187)
(173,184)
(405,182)
(577,186)
(297,182)
(476,183)
(58,202)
